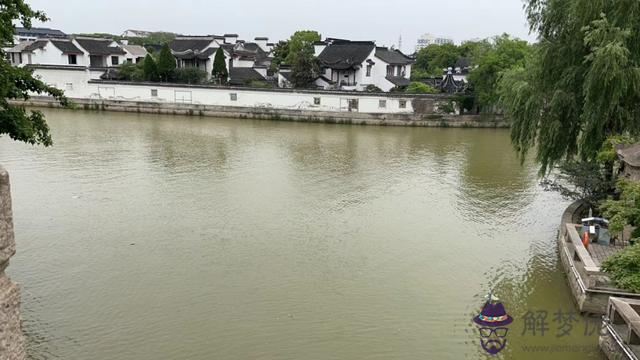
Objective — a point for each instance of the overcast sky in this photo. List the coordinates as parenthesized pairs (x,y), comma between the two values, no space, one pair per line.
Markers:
(380,20)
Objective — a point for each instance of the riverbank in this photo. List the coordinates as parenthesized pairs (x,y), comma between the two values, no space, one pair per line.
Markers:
(330,117)
(590,287)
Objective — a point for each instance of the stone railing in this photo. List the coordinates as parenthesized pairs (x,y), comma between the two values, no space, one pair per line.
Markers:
(12,345)
(620,336)
(590,274)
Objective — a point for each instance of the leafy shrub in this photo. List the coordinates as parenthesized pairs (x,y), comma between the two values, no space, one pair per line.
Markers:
(420,88)
(624,268)
(636,233)
(190,76)
(625,210)
(131,72)
(448,108)
(372,89)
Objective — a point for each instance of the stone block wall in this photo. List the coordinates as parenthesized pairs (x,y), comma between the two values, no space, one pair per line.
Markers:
(12,344)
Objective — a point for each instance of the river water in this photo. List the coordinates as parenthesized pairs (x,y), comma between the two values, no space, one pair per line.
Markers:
(163,237)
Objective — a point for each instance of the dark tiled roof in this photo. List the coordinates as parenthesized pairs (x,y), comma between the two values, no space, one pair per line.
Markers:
(343,55)
(398,80)
(630,155)
(67,47)
(40,32)
(393,57)
(242,76)
(228,47)
(99,46)
(288,75)
(190,43)
(190,54)
(38,44)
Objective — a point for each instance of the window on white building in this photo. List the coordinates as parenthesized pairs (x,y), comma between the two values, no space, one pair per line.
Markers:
(73,59)
(403,104)
(382,104)
(234,97)
(115,60)
(390,69)
(316,101)
(369,70)
(154,92)
(68,86)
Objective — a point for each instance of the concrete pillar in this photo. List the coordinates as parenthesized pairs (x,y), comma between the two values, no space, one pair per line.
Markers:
(12,345)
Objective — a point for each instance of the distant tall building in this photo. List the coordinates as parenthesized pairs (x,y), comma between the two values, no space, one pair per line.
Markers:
(430,39)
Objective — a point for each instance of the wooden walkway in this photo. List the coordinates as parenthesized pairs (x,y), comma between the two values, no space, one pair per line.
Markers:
(600,253)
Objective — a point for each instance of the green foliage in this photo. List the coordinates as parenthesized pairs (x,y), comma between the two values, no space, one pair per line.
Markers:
(260,84)
(580,180)
(19,83)
(608,154)
(434,58)
(300,55)
(166,64)
(420,88)
(505,53)
(301,45)
(150,69)
(304,71)
(447,108)
(280,54)
(624,268)
(582,83)
(465,101)
(220,72)
(372,89)
(131,72)
(190,76)
(625,210)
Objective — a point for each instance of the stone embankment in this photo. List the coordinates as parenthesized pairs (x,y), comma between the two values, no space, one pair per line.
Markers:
(12,344)
(235,112)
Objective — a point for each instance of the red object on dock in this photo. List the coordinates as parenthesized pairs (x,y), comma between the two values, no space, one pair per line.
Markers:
(585,239)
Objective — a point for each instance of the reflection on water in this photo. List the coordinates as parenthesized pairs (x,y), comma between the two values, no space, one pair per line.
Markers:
(148,237)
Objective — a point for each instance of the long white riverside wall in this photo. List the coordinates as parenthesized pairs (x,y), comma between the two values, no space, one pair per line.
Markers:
(285,104)
(12,346)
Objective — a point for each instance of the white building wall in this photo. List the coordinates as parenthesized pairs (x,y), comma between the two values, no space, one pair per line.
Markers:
(51,55)
(75,83)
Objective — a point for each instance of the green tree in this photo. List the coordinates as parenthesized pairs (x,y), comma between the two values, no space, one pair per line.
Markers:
(420,88)
(150,69)
(219,72)
(433,59)
(304,71)
(166,64)
(18,83)
(301,44)
(624,268)
(504,54)
(280,54)
(131,72)
(582,84)
(304,65)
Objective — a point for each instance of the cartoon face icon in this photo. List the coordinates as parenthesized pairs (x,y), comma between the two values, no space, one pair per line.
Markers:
(493,324)
(493,340)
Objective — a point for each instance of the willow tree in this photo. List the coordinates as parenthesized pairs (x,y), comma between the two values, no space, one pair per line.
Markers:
(19,83)
(581,85)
